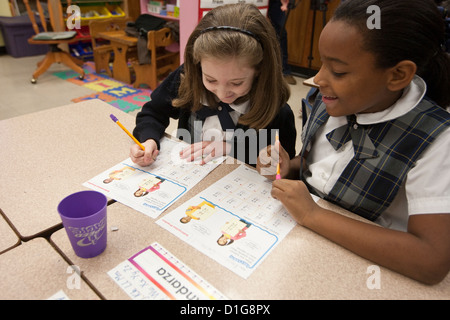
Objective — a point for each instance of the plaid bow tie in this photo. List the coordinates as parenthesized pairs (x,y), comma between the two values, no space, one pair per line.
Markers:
(223,112)
(362,144)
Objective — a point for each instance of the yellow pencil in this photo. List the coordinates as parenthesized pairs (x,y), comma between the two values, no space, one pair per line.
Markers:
(278,176)
(127,132)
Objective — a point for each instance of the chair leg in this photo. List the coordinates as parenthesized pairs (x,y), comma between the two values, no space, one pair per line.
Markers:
(68,60)
(145,74)
(43,65)
(76,60)
(41,62)
(55,54)
(101,61)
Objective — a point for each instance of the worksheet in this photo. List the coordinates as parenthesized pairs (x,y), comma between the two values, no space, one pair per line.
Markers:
(235,221)
(155,274)
(152,189)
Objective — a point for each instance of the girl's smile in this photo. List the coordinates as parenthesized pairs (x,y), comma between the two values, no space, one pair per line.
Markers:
(349,80)
(328,99)
(227,79)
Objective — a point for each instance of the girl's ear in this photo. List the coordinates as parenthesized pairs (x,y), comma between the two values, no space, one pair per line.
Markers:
(401,75)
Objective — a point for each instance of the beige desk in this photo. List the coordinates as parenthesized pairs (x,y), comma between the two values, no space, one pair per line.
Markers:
(49,154)
(35,271)
(303,266)
(8,238)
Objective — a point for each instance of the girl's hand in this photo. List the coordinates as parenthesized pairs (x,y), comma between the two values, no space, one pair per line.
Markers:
(206,150)
(147,157)
(284,5)
(295,197)
(269,158)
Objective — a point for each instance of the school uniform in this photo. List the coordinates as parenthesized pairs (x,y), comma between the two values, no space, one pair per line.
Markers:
(401,168)
(246,143)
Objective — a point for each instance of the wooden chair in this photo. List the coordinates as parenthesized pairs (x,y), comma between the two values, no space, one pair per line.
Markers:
(162,60)
(103,50)
(47,37)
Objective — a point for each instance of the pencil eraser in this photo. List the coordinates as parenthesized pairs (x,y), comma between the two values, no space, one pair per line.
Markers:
(113,118)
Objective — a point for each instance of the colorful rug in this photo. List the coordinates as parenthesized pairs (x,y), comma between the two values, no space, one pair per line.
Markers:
(118,94)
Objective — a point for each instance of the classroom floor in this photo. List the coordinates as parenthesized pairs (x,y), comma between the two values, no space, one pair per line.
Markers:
(18,96)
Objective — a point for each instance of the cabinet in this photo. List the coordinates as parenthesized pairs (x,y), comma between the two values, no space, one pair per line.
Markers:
(303,31)
(96,10)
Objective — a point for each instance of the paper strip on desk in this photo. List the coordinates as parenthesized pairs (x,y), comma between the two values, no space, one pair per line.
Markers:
(235,221)
(155,274)
(152,189)
(60,295)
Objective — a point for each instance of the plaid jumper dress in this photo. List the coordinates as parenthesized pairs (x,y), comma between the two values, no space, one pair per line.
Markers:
(371,180)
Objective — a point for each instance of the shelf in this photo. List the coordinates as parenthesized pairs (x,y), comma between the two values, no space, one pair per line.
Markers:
(99,10)
(163,16)
(96,10)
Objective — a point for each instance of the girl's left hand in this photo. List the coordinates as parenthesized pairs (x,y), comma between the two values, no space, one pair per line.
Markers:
(207,150)
(295,197)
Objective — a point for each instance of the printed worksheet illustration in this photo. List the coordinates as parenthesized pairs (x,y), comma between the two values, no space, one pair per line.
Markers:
(152,189)
(235,221)
(155,274)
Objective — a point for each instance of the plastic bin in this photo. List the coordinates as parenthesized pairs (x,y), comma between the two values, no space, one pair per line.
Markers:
(115,11)
(82,50)
(16,32)
(89,13)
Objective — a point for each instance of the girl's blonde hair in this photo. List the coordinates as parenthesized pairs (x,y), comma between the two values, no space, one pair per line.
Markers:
(256,42)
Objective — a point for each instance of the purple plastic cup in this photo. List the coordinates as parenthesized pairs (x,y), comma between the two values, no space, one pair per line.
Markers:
(83,215)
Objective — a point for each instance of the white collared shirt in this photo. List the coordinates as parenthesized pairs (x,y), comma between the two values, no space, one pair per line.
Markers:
(213,128)
(427,186)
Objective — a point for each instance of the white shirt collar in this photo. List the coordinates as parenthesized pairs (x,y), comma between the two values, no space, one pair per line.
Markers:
(241,108)
(412,95)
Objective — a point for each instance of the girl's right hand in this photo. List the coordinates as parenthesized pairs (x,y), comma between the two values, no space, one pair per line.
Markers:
(269,158)
(147,157)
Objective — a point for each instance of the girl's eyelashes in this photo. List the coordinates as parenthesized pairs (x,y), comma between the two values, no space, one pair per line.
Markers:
(338,74)
(235,84)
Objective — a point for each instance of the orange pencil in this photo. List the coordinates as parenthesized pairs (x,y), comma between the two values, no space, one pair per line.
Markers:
(127,132)
(278,176)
